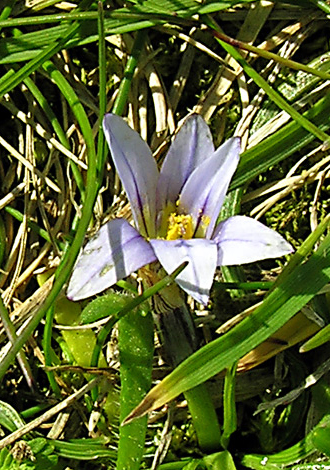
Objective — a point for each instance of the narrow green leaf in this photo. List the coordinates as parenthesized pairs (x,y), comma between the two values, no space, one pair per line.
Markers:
(321,337)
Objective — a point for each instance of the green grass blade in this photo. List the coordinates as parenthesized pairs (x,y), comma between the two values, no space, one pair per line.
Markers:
(101,144)
(120,103)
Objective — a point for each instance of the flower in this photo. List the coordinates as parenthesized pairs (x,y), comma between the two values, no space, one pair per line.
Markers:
(175,213)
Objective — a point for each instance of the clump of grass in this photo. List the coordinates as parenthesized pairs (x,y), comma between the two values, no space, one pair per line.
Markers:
(65,386)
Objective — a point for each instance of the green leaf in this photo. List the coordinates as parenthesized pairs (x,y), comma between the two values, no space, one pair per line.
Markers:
(84,449)
(9,418)
(220,461)
(321,337)
(321,436)
(102,307)
(136,346)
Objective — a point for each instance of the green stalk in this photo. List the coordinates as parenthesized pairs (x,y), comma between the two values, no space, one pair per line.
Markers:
(47,348)
(121,100)
(33,226)
(101,144)
(229,406)
(179,341)
(204,418)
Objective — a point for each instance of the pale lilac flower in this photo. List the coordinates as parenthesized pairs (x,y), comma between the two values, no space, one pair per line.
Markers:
(175,211)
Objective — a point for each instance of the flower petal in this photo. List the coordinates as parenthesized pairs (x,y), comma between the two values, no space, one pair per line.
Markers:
(197,278)
(244,240)
(190,147)
(204,192)
(137,170)
(113,253)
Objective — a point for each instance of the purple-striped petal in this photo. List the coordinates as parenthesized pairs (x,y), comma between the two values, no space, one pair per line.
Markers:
(191,146)
(244,240)
(113,253)
(137,170)
(204,192)
(197,278)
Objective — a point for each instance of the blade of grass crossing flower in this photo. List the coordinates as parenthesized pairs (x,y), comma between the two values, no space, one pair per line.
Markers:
(131,305)
(132,62)
(298,288)
(135,344)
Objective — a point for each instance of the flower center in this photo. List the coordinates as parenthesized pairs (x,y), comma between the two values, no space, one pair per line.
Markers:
(179,226)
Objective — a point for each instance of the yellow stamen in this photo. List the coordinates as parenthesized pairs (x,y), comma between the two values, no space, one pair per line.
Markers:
(179,226)
(206,220)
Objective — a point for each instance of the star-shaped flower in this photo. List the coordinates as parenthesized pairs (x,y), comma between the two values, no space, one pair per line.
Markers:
(175,213)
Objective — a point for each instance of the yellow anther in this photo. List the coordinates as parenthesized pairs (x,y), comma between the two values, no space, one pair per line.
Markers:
(179,226)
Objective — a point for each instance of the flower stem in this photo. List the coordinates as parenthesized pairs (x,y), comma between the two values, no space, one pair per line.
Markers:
(179,342)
